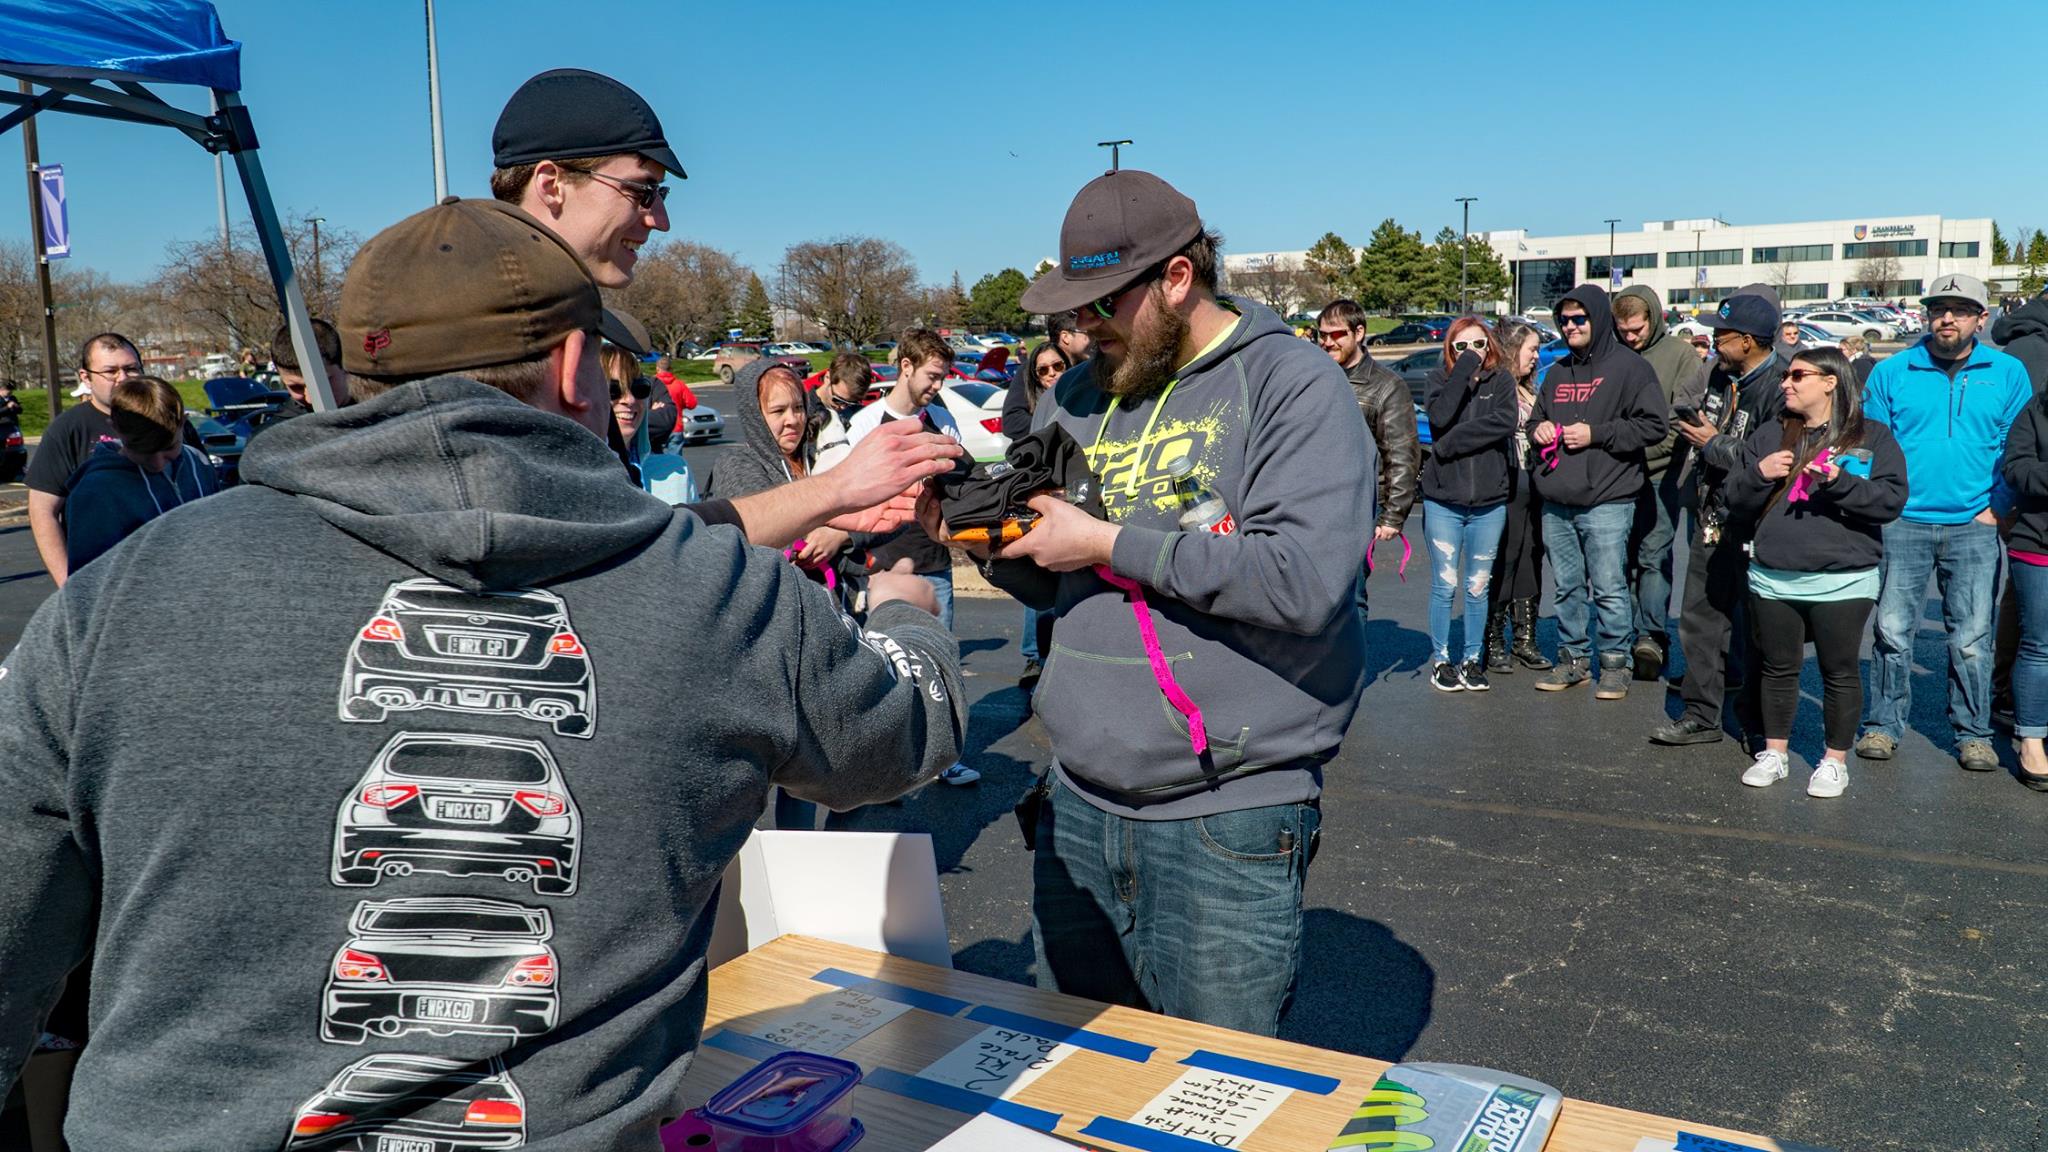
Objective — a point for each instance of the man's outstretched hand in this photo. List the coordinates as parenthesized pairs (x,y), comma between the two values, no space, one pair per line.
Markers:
(888,462)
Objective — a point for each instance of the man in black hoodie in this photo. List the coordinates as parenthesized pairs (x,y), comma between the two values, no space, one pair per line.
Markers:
(1743,394)
(1597,412)
(2023,333)
(471,858)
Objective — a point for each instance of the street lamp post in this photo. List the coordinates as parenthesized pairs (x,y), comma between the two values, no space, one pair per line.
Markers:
(1115,152)
(434,108)
(1610,222)
(319,284)
(1464,250)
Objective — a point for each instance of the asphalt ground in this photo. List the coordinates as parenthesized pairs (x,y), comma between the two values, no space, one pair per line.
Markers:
(1518,880)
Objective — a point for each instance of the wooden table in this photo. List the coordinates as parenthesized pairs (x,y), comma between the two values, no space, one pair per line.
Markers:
(1087,1084)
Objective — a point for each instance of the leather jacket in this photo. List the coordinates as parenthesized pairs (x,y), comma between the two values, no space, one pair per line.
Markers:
(1389,410)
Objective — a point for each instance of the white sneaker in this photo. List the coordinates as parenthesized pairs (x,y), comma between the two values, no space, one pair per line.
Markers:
(1770,767)
(1830,778)
(959,775)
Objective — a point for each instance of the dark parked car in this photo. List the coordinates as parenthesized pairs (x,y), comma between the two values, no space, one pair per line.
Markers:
(1415,368)
(1413,332)
(392,1101)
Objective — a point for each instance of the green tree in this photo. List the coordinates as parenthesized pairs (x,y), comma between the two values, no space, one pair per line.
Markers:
(1332,266)
(1486,277)
(1395,268)
(2000,254)
(2037,248)
(952,305)
(993,301)
(756,316)
(2033,260)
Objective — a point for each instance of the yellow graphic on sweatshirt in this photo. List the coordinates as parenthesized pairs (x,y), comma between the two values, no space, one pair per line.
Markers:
(1133,469)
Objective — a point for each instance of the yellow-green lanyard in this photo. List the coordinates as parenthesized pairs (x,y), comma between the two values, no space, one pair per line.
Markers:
(1143,438)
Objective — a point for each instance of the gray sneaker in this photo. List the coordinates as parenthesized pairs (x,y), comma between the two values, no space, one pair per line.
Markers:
(1876,746)
(1614,677)
(1569,673)
(1977,756)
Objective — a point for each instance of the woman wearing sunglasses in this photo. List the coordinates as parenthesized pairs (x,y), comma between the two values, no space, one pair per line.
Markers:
(1518,565)
(1470,399)
(1039,372)
(1820,486)
(2025,469)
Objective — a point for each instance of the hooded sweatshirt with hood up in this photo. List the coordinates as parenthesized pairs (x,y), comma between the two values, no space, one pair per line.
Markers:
(453,836)
(2023,335)
(1607,386)
(757,463)
(1258,626)
(1680,375)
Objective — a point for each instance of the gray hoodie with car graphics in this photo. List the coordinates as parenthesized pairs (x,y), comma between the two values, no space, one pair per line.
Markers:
(380,858)
(1259,626)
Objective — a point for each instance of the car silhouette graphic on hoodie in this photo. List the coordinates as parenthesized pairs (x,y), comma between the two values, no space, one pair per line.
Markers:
(405,1103)
(503,653)
(457,804)
(442,965)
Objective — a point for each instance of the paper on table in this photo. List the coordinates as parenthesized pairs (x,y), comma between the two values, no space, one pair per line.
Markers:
(991,1133)
(997,1062)
(1211,1107)
(829,1022)
(1652,1144)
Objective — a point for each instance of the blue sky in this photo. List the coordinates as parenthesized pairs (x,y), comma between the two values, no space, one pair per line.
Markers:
(961,131)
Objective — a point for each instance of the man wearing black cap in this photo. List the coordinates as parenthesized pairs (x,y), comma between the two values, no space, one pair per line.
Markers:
(1743,393)
(1207,774)
(467,647)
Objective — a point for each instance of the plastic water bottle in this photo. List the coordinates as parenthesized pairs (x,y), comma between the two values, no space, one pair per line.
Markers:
(1202,510)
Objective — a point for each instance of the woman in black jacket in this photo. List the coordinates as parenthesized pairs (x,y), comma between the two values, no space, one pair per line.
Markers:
(2026,472)
(1471,404)
(1820,486)
(1518,565)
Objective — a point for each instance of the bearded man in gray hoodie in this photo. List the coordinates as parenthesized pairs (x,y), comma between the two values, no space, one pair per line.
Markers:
(1639,321)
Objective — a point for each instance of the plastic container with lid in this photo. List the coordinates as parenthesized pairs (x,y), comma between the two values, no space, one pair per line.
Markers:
(790,1102)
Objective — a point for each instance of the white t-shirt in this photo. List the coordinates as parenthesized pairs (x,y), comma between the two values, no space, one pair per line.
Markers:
(871,417)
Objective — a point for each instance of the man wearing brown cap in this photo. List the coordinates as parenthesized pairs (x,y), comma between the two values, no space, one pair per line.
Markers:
(471,854)
(1206,776)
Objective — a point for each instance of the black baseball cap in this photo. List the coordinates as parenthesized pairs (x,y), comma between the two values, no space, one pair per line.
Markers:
(568,114)
(625,330)
(1119,226)
(1747,312)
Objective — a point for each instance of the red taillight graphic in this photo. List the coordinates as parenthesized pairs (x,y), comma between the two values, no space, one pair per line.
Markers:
(534,972)
(541,803)
(565,644)
(501,1113)
(384,629)
(993,424)
(389,795)
(354,965)
(319,1123)
(14,440)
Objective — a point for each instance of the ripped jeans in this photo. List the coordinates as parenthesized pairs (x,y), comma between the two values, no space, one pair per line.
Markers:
(1461,540)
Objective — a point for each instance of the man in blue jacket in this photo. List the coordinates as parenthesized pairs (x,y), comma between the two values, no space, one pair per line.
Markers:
(1949,401)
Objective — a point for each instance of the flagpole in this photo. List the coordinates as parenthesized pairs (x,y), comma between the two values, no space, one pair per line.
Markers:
(51,380)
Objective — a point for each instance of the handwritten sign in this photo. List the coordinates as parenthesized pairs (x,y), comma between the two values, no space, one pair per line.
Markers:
(1213,1108)
(828,1023)
(997,1062)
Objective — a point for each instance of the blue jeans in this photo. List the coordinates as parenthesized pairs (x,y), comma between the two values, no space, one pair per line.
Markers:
(2030,667)
(1656,525)
(942,590)
(1197,918)
(1029,645)
(1964,560)
(1588,559)
(1462,540)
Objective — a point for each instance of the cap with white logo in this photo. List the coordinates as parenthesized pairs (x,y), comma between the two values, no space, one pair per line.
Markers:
(1956,286)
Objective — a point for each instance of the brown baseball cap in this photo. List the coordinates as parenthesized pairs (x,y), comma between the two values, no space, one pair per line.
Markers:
(464,284)
(1119,226)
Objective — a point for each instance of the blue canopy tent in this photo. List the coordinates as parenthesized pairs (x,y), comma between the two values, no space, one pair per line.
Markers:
(99,57)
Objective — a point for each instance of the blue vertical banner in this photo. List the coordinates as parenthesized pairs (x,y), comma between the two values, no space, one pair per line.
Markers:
(56,220)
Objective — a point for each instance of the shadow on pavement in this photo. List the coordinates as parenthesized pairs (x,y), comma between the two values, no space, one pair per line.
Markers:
(1340,955)
(1391,649)
(1000,959)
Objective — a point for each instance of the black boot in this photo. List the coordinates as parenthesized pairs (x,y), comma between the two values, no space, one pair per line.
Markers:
(1523,613)
(1497,659)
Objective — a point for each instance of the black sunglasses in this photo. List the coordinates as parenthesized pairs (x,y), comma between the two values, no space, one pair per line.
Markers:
(642,194)
(1575,320)
(1105,306)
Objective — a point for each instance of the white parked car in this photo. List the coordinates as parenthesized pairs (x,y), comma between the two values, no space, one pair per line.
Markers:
(790,348)
(702,424)
(1839,324)
(1691,328)
(978,408)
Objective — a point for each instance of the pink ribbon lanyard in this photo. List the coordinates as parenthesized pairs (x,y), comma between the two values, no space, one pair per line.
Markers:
(831,577)
(1407,550)
(1552,452)
(1162,673)
(1802,485)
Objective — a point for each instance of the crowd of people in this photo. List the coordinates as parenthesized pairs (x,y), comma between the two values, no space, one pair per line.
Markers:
(444,570)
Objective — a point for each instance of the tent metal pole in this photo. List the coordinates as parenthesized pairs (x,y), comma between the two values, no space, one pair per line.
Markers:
(51,380)
(277,254)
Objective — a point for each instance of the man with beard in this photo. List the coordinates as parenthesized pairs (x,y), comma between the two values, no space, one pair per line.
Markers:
(1639,321)
(1949,400)
(1388,406)
(1205,774)
(1066,332)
